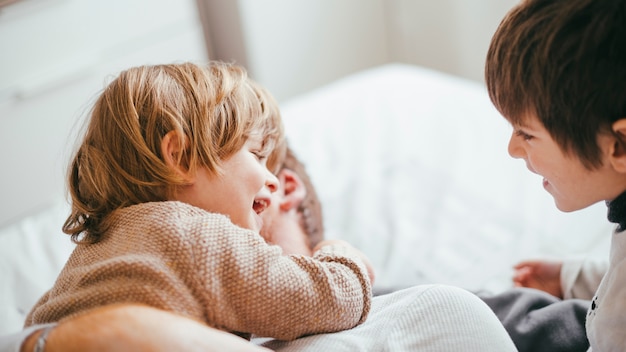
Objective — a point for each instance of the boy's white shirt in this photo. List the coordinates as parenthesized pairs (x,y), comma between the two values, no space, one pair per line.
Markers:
(580,278)
(606,317)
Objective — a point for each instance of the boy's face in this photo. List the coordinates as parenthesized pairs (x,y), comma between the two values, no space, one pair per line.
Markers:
(572,186)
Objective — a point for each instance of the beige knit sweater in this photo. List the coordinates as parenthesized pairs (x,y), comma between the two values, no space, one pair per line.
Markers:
(180,258)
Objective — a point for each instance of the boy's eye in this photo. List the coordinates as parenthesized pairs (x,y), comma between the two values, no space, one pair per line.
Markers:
(524,135)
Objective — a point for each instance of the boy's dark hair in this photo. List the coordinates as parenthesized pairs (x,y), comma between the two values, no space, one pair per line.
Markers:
(565,62)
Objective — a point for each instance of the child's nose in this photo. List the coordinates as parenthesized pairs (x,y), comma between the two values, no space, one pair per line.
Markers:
(271,182)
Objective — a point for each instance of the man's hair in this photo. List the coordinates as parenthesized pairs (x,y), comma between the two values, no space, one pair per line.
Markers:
(563,61)
(311,207)
(213,109)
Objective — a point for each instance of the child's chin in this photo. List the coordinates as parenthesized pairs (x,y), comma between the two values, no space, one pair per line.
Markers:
(257,224)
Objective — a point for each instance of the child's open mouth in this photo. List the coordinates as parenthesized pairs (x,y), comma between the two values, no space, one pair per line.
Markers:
(259,205)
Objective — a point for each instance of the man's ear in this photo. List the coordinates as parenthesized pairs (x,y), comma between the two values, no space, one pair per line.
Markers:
(618,154)
(171,149)
(293,188)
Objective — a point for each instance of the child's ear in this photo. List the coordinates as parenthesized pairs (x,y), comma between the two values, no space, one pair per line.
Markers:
(293,188)
(171,149)
(618,155)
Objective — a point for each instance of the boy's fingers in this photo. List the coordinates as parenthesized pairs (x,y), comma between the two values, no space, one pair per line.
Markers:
(521,276)
(525,263)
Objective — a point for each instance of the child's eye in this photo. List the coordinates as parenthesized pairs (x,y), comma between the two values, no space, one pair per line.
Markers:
(524,135)
(259,155)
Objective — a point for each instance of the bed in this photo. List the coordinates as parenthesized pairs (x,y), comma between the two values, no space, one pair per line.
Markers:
(411,166)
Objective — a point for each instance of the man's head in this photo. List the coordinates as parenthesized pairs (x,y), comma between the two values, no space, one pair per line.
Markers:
(294,218)
(564,62)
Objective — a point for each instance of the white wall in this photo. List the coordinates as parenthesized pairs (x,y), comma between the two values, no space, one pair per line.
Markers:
(55,57)
(294,46)
(448,35)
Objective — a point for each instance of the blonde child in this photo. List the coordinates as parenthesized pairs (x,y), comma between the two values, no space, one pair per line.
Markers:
(167,189)
(557,71)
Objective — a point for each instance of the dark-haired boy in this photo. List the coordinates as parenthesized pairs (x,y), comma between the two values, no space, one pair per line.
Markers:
(556,70)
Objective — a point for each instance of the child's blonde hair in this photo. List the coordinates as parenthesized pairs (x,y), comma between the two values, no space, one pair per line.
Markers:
(213,108)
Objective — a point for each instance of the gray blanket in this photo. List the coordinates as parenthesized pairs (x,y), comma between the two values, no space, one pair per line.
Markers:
(538,321)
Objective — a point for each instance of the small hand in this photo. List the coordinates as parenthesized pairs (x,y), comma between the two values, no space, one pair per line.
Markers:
(543,275)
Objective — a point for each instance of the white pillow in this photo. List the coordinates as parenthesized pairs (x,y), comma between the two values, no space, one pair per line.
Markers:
(32,252)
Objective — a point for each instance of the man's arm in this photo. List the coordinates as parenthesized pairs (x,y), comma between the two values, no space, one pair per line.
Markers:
(127,327)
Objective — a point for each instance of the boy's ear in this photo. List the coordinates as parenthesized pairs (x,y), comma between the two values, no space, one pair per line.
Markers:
(293,188)
(618,155)
(171,150)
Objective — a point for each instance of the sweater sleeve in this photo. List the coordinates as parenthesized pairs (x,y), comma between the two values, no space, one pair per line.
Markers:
(580,278)
(251,287)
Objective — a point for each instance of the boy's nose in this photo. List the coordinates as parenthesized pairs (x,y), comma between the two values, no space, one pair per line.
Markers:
(515,150)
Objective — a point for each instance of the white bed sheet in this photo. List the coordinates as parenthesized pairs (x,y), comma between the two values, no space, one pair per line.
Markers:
(411,167)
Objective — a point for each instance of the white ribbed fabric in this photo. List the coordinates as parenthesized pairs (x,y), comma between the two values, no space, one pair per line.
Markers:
(421,318)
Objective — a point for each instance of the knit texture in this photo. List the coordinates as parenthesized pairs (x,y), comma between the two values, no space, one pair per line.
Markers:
(180,258)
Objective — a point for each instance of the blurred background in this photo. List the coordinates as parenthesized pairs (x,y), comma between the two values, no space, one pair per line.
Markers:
(293,46)
(55,56)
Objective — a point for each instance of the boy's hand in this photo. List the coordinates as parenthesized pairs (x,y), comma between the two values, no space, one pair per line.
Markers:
(368,265)
(539,274)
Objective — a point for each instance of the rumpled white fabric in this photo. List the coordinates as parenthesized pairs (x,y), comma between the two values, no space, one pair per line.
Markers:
(32,253)
(428,318)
